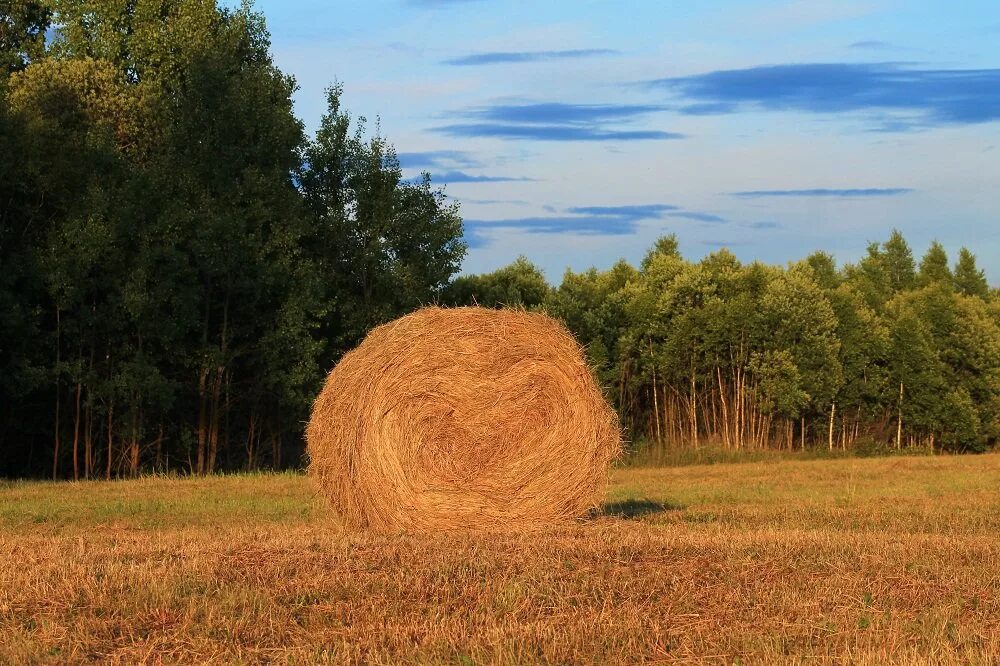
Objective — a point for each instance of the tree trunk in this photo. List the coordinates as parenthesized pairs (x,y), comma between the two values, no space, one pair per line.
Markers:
(202,421)
(656,403)
(899,420)
(133,447)
(833,411)
(55,443)
(694,408)
(88,438)
(726,439)
(76,434)
(214,419)
(251,442)
(111,412)
(158,445)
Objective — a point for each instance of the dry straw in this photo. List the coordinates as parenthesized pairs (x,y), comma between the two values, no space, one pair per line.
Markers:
(463,418)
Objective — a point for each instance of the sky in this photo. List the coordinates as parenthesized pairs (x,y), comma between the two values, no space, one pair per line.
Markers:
(576,132)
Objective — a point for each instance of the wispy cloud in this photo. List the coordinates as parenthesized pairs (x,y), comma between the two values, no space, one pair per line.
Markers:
(635,212)
(927,97)
(496,202)
(698,217)
(551,133)
(437,159)
(462,177)
(823,192)
(586,220)
(513,57)
(558,112)
(871,44)
(556,122)
(576,224)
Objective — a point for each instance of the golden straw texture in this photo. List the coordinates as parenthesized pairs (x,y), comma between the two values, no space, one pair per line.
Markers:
(464,418)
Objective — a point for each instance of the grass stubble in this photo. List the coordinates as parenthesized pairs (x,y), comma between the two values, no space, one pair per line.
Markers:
(861,561)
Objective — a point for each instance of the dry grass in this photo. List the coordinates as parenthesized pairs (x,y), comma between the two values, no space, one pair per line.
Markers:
(467,418)
(848,561)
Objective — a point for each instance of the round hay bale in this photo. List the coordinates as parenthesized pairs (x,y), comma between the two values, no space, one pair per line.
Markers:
(463,418)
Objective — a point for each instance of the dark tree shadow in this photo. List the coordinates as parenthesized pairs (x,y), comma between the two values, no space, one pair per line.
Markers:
(634,509)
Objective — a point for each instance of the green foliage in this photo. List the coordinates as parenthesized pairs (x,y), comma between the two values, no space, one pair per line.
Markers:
(383,246)
(969,280)
(898,261)
(934,266)
(824,270)
(22,33)
(177,272)
(721,354)
(180,265)
(518,285)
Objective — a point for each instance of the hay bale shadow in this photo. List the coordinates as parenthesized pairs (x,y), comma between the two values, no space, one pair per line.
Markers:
(634,509)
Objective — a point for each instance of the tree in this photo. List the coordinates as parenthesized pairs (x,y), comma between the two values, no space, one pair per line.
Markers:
(824,270)
(898,261)
(196,239)
(665,246)
(969,280)
(593,306)
(934,266)
(519,284)
(801,323)
(22,33)
(864,342)
(384,246)
(870,279)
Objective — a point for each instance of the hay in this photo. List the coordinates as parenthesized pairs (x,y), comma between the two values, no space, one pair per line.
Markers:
(463,418)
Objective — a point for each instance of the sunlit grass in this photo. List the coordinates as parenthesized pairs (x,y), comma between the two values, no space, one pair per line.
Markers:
(847,561)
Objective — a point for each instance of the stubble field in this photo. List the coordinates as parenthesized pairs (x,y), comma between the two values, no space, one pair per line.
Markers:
(861,561)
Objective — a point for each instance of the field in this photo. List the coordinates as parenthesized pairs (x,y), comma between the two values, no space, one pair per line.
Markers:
(860,561)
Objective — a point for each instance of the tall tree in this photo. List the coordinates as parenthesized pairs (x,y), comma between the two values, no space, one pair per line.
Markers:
(824,269)
(897,258)
(969,279)
(934,266)
(383,245)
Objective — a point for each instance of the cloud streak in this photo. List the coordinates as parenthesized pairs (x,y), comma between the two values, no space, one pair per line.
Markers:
(517,57)
(635,212)
(925,97)
(822,192)
(436,159)
(550,133)
(698,217)
(871,44)
(462,177)
(555,121)
(559,112)
(584,220)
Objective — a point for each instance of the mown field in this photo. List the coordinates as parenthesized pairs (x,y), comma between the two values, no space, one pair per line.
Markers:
(861,561)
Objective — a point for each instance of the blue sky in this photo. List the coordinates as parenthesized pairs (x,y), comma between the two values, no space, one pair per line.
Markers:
(575,132)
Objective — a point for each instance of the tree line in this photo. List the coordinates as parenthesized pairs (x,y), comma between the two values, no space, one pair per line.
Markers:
(179,263)
(886,353)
